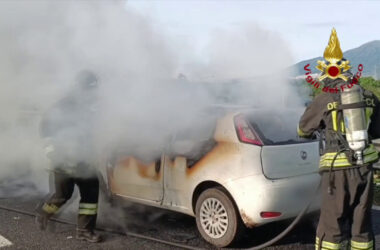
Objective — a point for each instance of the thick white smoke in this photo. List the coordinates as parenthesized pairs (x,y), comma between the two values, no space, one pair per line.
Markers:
(255,59)
(45,43)
(244,52)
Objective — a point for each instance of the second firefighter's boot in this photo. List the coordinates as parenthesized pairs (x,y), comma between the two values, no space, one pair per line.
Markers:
(86,222)
(88,235)
(42,220)
(43,215)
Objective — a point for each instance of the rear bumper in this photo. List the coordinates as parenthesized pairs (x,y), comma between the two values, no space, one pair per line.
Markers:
(256,194)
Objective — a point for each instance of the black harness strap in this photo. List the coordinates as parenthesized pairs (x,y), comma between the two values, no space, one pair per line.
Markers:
(356,105)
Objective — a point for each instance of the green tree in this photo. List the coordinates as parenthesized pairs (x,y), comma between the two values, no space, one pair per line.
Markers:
(371,84)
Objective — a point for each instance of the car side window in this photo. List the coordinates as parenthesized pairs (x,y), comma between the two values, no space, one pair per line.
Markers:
(193,142)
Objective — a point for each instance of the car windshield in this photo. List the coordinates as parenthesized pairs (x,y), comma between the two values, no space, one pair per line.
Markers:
(276,128)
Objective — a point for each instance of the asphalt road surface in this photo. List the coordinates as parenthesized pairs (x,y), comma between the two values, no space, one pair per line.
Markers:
(18,231)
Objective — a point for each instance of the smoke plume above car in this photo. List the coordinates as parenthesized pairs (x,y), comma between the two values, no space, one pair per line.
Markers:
(142,100)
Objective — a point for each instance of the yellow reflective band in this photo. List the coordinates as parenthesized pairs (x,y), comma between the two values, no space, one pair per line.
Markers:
(88,205)
(327,245)
(357,248)
(345,163)
(316,243)
(334,115)
(361,245)
(331,156)
(301,133)
(88,208)
(337,161)
(87,211)
(330,245)
(336,164)
(50,209)
(370,155)
(340,160)
(342,127)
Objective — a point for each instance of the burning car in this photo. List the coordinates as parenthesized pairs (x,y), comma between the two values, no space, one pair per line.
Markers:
(247,168)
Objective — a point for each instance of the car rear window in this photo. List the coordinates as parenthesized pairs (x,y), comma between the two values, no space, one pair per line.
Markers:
(276,128)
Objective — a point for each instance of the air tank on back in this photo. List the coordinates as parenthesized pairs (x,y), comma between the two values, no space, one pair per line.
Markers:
(355,121)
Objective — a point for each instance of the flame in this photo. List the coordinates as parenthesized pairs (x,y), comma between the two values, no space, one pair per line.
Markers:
(333,52)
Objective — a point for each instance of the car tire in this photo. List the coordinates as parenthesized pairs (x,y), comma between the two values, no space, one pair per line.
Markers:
(217,218)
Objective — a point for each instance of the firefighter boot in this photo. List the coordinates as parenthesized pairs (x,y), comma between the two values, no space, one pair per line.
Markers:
(88,235)
(42,220)
(44,212)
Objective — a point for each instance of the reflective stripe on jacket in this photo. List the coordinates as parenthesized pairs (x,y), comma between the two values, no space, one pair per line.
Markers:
(370,155)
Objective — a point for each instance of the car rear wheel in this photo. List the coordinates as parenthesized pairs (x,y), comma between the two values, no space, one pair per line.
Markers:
(217,218)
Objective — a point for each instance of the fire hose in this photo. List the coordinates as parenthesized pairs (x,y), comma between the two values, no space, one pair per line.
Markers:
(299,216)
(291,226)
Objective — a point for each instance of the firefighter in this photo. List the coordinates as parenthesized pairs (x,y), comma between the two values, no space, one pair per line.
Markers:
(346,175)
(68,128)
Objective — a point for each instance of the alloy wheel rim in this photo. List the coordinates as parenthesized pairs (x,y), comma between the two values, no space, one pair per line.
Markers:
(214,218)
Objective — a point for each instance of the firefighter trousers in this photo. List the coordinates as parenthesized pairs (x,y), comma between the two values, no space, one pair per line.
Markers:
(64,187)
(345,218)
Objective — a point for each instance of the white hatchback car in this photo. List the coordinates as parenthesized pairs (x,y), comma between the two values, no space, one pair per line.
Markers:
(248,169)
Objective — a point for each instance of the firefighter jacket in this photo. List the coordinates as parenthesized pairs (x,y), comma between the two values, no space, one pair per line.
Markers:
(68,129)
(323,115)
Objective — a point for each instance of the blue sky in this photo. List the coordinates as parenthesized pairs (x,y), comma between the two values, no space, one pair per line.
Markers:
(304,25)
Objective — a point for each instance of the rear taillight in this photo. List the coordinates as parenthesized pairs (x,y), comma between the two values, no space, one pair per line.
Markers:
(245,131)
(268,215)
